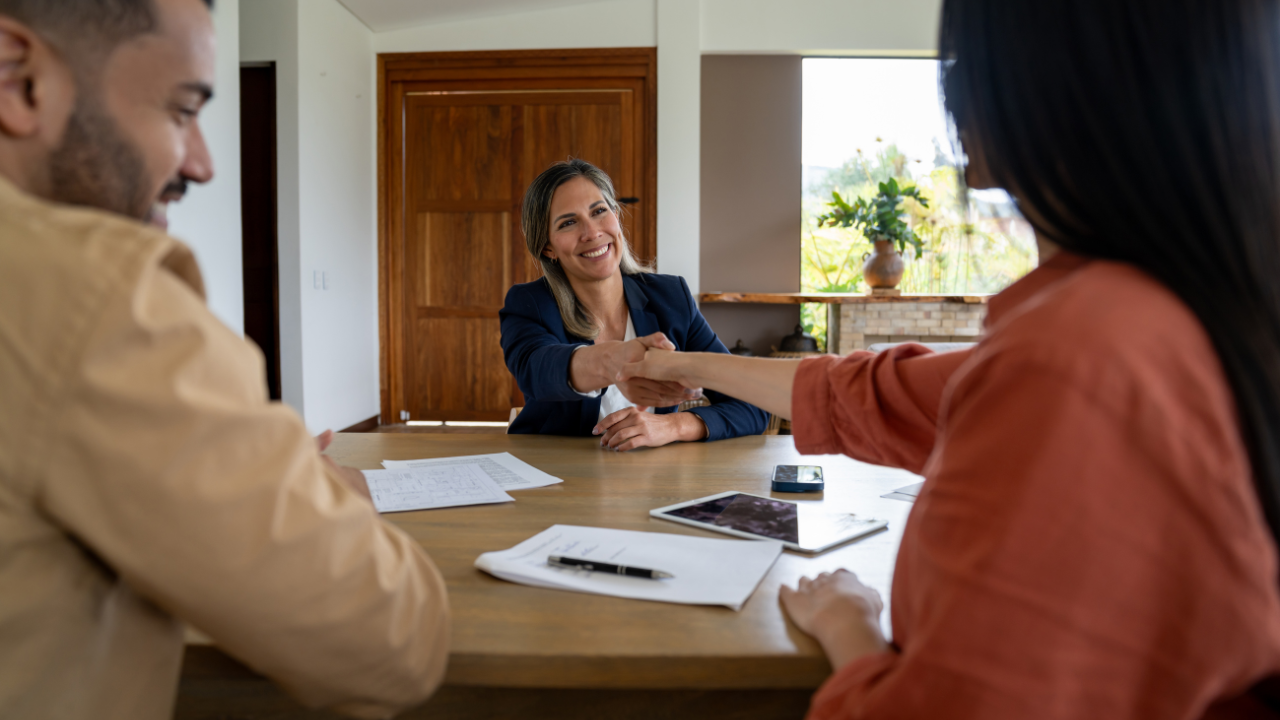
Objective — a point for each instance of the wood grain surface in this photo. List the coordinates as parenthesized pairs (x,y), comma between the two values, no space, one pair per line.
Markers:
(517,636)
(529,652)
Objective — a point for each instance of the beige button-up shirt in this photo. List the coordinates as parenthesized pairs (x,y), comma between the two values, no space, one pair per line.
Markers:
(146,480)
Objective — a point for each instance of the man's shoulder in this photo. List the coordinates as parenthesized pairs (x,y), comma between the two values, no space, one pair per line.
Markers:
(64,271)
(80,251)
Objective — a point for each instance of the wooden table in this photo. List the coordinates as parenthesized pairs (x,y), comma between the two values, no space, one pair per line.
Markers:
(535,652)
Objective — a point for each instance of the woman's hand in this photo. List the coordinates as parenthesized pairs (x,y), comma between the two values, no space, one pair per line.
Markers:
(643,391)
(841,613)
(596,367)
(763,382)
(632,428)
(660,365)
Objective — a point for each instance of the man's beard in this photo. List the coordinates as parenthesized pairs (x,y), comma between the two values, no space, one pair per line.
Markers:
(96,166)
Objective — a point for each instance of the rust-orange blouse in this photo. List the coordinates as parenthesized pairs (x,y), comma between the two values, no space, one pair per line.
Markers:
(1088,543)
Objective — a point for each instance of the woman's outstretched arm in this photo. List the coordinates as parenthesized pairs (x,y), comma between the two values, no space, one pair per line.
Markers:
(763,382)
(879,408)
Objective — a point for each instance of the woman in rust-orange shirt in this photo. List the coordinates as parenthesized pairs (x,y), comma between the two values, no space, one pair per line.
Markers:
(1096,533)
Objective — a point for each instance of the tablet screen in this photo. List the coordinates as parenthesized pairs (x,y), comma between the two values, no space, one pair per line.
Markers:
(756,515)
(807,526)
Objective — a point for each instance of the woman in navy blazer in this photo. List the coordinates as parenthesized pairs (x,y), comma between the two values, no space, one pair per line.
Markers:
(566,336)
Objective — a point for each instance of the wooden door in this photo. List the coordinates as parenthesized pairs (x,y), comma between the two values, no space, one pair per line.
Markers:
(459,145)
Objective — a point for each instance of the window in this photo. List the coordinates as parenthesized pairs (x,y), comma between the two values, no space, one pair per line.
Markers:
(868,120)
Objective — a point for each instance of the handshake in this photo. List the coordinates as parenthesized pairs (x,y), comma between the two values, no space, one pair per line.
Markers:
(648,371)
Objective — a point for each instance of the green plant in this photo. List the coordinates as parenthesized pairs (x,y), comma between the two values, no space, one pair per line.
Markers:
(880,218)
(967,249)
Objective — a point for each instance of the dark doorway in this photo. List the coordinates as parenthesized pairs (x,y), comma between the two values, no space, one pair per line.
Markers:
(258,208)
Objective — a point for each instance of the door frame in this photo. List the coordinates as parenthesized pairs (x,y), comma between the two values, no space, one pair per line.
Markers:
(488,65)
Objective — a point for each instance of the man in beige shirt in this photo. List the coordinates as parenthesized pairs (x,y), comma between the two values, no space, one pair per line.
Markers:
(145,479)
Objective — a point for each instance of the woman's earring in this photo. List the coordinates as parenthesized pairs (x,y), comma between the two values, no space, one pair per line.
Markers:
(555,259)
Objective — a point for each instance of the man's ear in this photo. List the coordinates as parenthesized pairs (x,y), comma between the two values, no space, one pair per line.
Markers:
(33,82)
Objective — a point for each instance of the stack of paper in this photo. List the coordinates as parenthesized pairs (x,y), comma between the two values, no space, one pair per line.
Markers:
(509,471)
(430,488)
(707,572)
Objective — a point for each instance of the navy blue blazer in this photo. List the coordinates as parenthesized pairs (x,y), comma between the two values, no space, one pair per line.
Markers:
(537,349)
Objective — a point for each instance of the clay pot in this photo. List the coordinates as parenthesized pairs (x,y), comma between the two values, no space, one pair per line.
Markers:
(883,266)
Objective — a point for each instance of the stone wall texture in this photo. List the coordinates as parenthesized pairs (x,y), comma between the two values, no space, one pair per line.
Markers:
(859,325)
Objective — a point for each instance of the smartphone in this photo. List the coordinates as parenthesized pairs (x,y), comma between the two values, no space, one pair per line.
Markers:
(797,478)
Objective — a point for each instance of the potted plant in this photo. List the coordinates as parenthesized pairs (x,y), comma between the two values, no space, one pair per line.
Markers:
(881,221)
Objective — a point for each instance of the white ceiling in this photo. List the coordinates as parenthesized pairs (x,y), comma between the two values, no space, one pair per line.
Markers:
(384,15)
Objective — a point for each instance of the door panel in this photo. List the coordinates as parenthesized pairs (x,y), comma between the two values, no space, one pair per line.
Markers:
(478,242)
(460,368)
(458,147)
(591,132)
(457,152)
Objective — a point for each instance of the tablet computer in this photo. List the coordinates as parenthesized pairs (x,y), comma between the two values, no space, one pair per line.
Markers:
(805,527)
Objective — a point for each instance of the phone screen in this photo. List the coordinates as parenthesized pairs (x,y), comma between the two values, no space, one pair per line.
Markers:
(797,473)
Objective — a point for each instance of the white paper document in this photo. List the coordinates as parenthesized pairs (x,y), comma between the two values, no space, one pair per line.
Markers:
(907,493)
(432,487)
(707,572)
(509,471)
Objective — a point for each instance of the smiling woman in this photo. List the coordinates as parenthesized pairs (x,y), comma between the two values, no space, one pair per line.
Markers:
(566,336)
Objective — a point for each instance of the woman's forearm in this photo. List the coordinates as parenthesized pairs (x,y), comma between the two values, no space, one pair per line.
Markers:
(763,382)
(592,367)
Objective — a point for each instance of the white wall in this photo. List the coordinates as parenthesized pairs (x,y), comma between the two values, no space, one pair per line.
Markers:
(616,23)
(325,73)
(208,219)
(679,133)
(821,27)
(338,190)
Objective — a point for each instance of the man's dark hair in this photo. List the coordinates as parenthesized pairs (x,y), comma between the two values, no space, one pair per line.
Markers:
(85,31)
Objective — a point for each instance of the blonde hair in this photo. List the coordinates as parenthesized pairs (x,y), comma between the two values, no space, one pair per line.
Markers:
(535,220)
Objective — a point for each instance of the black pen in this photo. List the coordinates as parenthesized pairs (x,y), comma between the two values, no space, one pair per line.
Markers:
(593,566)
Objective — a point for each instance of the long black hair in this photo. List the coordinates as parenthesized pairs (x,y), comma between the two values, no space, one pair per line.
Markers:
(1147,132)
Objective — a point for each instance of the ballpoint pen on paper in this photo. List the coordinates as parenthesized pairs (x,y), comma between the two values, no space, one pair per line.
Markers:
(593,566)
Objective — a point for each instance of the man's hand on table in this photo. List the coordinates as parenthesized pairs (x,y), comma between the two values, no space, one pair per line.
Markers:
(841,613)
(353,478)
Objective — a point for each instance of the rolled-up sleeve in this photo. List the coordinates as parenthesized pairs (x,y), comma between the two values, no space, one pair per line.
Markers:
(215,505)
(880,408)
